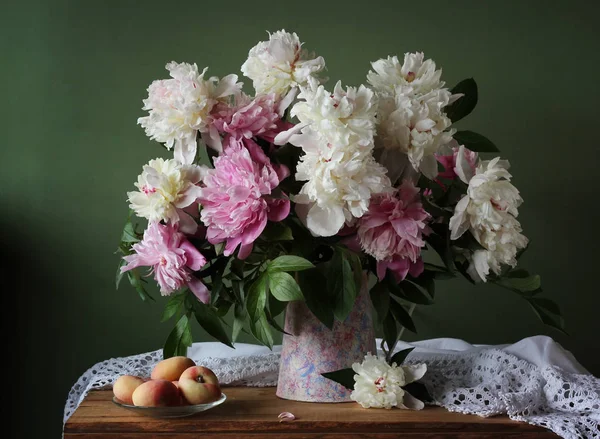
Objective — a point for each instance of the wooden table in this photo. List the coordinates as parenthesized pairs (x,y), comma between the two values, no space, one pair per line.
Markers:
(251,413)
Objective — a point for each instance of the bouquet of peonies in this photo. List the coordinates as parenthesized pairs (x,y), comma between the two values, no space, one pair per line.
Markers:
(323,183)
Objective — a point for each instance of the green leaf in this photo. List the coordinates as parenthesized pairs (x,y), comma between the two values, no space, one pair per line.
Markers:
(274,323)
(173,306)
(136,281)
(129,234)
(179,339)
(390,330)
(345,377)
(414,294)
(261,331)
(399,357)
(380,297)
(239,316)
(257,297)
(120,274)
(521,284)
(442,246)
(219,248)
(425,282)
(340,281)
(283,286)
(419,391)
(462,269)
(237,268)
(357,270)
(275,306)
(402,316)
(548,312)
(436,272)
(465,104)
(518,273)
(318,297)
(277,232)
(289,263)
(408,290)
(210,322)
(475,142)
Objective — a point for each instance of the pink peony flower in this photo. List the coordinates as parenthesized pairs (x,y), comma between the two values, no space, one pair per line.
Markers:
(258,117)
(400,267)
(392,229)
(462,163)
(172,258)
(236,198)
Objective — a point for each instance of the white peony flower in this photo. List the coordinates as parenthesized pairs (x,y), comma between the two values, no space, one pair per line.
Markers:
(379,385)
(280,64)
(489,211)
(337,189)
(166,187)
(415,76)
(341,118)
(336,133)
(180,107)
(411,119)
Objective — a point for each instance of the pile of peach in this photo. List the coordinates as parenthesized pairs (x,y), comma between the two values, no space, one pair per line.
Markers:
(174,382)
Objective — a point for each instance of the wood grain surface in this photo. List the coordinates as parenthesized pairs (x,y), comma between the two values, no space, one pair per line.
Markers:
(252,413)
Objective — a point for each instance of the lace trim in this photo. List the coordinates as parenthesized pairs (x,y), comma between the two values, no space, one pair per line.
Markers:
(484,383)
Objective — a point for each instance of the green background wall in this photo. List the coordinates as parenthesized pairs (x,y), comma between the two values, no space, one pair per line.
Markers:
(74,75)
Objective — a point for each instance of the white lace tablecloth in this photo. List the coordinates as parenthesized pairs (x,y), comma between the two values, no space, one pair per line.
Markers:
(534,380)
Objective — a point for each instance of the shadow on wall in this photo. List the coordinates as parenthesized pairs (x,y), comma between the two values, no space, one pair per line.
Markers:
(26,287)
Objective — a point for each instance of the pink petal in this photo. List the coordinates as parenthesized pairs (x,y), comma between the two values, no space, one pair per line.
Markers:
(187,224)
(245,250)
(199,289)
(194,259)
(286,416)
(279,209)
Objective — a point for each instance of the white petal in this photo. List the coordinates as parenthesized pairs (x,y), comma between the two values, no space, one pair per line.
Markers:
(429,167)
(459,223)
(185,150)
(325,221)
(411,403)
(463,168)
(284,137)
(286,101)
(414,372)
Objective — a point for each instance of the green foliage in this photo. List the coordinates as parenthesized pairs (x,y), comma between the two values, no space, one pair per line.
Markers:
(380,297)
(179,339)
(342,284)
(277,232)
(210,322)
(345,377)
(289,263)
(173,306)
(283,287)
(261,331)
(475,142)
(400,356)
(257,297)
(319,298)
(402,316)
(465,104)
(548,312)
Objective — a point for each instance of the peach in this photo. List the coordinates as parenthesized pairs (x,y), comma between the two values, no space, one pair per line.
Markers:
(171,368)
(156,393)
(199,385)
(124,387)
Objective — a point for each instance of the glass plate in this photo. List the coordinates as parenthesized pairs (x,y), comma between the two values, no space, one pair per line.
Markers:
(171,412)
